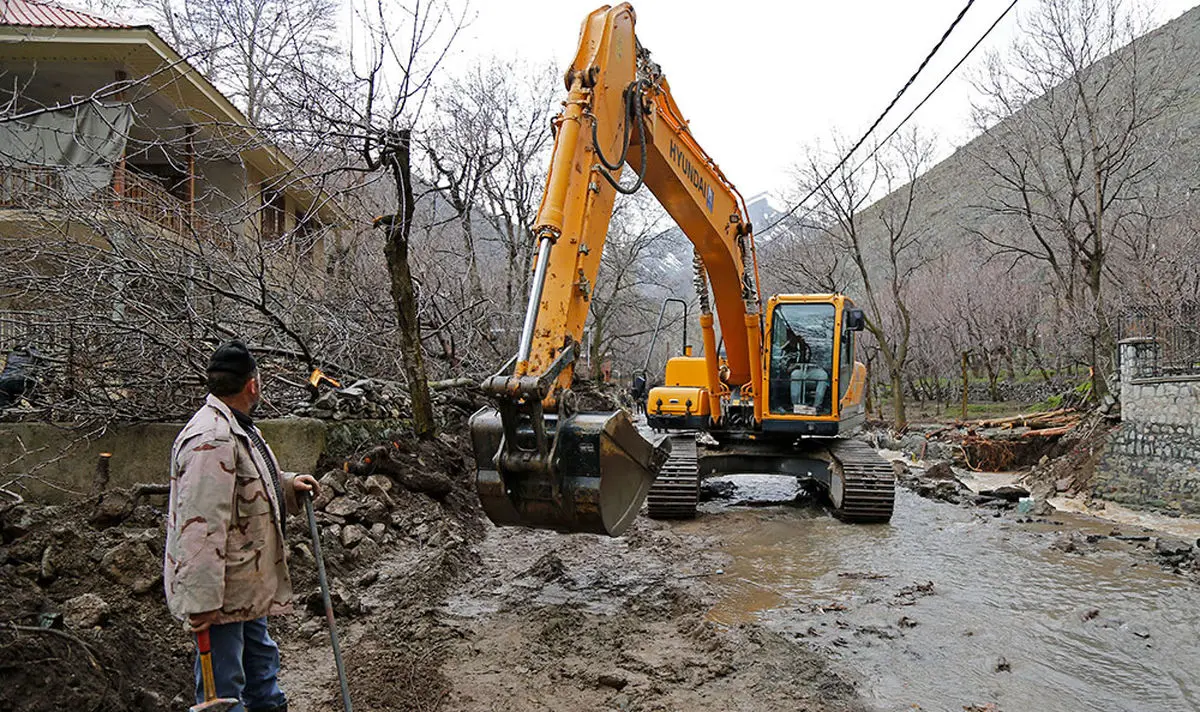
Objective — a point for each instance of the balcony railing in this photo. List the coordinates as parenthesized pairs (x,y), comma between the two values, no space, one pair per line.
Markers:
(139,195)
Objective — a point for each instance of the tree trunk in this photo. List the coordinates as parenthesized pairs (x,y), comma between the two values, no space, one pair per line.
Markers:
(898,411)
(404,294)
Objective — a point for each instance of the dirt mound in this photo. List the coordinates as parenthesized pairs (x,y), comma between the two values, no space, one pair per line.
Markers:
(1072,467)
(84,625)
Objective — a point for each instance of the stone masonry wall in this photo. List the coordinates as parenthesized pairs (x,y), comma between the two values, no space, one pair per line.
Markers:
(1153,458)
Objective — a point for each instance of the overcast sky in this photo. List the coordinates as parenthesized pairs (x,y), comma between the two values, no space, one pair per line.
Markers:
(759,79)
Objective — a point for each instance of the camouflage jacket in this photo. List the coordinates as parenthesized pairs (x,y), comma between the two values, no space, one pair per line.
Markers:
(225,547)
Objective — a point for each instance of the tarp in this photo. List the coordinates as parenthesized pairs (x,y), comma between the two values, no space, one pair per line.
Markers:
(81,144)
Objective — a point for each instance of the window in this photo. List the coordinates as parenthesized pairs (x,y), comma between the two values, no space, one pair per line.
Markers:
(801,366)
(846,364)
(273,213)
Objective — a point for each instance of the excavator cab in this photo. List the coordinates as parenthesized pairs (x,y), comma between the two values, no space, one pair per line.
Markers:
(810,356)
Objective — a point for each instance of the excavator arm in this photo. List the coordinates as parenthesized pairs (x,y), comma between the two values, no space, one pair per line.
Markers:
(541,462)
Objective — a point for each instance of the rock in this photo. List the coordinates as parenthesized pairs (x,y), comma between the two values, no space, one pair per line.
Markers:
(375,513)
(378,530)
(434,484)
(1089,614)
(115,507)
(1140,631)
(939,471)
(366,551)
(1062,484)
(616,680)
(1002,665)
(17,521)
(133,564)
(86,611)
(368,578)
(379,486)
(345,602)
(717,489)
(547,568)
(1172,548)
(311,627)
(335,480)
(352,534)
(1011,493)
(900,468)
(48,571)
(344,507)
(148,700)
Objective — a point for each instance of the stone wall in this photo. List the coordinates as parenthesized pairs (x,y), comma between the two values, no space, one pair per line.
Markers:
(1153,458)
(63,461)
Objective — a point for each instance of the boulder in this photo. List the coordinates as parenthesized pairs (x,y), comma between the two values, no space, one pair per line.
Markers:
(114,507)
(85,611)
(376,512)
(939,471)
(132,563)
(1009,493)
(344,507)
(352,534)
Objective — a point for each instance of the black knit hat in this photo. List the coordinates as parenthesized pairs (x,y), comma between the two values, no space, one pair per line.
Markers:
(233,357)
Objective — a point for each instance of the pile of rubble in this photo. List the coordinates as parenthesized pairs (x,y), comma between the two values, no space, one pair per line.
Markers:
(368,399)
(83,623)
(988,445)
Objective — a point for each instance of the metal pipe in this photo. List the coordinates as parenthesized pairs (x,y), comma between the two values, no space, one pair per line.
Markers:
(535,298)
(658,325)
(333,636)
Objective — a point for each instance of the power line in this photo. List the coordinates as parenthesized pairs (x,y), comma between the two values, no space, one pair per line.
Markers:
(953,69)
(945,35)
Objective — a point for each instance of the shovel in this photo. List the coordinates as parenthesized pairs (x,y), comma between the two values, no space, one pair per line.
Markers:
(211,702)
(333,637)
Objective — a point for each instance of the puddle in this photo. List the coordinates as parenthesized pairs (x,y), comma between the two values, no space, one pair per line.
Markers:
(1009,619)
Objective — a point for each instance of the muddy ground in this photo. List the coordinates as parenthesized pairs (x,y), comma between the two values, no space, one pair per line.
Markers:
(745,608)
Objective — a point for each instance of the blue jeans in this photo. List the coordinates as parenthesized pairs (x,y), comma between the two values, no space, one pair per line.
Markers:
(245,665)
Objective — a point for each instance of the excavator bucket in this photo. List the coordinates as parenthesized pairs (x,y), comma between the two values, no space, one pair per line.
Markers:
(593,479)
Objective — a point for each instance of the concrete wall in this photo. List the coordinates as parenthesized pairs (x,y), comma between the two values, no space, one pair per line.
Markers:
(1153,458)
(62,461)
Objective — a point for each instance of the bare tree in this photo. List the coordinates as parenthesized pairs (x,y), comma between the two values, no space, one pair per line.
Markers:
(256,51)
(1072,154)
(867,247)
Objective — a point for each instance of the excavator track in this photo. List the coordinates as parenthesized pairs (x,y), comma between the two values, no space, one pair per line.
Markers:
(676,491)
(862,484)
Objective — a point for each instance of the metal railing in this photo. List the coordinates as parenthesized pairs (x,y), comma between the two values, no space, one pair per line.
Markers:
(1175,330)
(140,196)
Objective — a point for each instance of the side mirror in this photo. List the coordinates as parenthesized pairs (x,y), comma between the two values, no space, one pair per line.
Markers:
(855,319)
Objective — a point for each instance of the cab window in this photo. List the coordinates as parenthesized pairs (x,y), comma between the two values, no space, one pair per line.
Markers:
(801,369)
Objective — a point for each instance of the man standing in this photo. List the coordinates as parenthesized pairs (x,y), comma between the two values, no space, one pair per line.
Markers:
(225,567)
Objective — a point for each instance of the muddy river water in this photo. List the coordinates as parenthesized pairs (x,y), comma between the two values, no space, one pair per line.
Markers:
(949,608)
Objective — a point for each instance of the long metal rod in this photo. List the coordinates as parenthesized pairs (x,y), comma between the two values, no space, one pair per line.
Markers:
(333,636)
(658,325)
(535,299)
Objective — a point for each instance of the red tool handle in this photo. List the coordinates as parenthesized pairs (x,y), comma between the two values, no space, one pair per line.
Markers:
(204,645)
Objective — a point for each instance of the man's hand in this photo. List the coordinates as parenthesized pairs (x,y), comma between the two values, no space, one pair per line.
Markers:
(306,483)
(201,621)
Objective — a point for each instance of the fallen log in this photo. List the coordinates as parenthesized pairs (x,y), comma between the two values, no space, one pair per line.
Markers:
(452,383)
(1048,432)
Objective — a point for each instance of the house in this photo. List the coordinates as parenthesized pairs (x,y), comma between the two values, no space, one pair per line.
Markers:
(108,120)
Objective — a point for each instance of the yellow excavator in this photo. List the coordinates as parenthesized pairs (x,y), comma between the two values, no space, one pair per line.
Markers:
(783,398)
